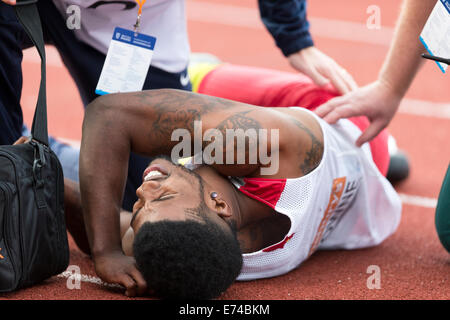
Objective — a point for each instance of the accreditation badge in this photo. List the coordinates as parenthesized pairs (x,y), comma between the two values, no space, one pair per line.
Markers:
(127,62)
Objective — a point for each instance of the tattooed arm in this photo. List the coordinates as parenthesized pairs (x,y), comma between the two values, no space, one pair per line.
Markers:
(113,125)
(143,122)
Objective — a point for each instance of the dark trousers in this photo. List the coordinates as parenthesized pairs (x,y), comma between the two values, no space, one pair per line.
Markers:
(442,218)
(84,64)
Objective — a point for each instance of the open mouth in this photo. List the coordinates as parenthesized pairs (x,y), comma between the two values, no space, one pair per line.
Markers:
(155,172)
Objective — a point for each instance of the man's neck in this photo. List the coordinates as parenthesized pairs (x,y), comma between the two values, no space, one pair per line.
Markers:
(245,209)
(257,224)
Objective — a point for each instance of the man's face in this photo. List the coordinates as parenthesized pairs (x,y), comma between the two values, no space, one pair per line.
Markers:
(166,192)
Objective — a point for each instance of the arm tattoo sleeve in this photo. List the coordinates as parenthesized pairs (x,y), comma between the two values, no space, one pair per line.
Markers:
(241,138)
(175,109)
(314,154)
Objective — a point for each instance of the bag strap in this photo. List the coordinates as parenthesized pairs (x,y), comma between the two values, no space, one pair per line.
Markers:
(28,16)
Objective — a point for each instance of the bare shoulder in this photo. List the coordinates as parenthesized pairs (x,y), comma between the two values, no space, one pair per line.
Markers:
(302,140)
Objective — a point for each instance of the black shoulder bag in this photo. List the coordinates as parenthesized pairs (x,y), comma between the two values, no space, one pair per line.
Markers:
(33,236)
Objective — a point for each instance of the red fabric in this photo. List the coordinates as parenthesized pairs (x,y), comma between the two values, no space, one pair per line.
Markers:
(271,88)
(265,190)
(279,245)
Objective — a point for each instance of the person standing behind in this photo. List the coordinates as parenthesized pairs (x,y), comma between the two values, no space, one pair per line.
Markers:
(380,100)
(83,50)
(287,22)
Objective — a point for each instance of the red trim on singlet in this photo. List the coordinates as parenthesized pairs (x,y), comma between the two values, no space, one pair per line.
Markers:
(267,191)
(271,88)
(279,245)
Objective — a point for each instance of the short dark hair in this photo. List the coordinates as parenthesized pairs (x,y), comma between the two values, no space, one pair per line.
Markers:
(187,259)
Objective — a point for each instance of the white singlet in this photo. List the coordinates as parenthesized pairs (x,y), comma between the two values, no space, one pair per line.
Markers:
(345,203)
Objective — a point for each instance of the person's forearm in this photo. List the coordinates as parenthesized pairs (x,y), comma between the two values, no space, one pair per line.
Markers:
(404,57)
(102,185)
(114,125)
(287,23)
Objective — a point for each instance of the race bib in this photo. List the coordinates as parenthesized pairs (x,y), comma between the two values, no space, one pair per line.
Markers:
(127,62)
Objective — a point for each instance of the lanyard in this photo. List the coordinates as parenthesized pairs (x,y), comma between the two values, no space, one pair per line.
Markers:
(138,20)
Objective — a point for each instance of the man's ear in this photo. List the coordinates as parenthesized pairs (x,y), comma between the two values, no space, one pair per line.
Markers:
(221,207)
(127,242)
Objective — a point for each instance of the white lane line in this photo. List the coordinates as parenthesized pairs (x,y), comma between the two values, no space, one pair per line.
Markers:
(236,16)
(350,31)
(409,199)
(86,278)
(425,108)
(418,201)
(406,199)
(438,110)
(416,107)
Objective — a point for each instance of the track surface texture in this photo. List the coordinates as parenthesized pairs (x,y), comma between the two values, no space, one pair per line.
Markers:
(412,262)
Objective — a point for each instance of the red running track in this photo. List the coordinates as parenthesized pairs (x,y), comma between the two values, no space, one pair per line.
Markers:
(412,262)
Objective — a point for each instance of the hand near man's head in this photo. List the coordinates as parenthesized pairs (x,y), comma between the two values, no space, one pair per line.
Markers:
(115,267)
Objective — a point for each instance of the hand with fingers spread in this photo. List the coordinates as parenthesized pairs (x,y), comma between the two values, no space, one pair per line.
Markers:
(322,69)
(115,267)
(377,101)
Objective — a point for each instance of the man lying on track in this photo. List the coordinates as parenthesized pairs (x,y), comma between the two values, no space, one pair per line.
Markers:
(247,211)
